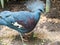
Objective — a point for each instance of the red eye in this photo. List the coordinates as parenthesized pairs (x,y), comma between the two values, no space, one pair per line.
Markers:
(40,10)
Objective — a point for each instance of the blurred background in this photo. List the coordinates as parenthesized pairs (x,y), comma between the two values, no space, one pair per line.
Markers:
(46,32)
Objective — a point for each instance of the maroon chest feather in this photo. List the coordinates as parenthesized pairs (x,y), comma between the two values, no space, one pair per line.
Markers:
(30,24)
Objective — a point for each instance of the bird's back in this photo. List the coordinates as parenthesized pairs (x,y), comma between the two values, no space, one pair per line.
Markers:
(6,17)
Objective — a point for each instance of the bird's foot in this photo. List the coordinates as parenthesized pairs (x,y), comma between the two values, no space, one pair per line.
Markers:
(27,37)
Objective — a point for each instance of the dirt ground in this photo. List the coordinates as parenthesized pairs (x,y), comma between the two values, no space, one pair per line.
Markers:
(47,30)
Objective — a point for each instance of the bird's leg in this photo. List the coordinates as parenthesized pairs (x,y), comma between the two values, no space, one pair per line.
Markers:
(22,38)
(26,36)
(23,35)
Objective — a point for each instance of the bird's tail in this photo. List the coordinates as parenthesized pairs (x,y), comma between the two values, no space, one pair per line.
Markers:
(35,5)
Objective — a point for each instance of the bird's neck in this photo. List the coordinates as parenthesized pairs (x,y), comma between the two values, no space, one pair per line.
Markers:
(37,14)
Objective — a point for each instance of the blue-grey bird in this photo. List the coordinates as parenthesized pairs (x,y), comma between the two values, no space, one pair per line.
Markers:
(28,19)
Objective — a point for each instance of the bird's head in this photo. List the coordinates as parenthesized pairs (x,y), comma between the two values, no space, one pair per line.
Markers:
(36,5)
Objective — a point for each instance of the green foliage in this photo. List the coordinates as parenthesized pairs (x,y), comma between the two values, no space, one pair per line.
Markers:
(47,5)
(2,2)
